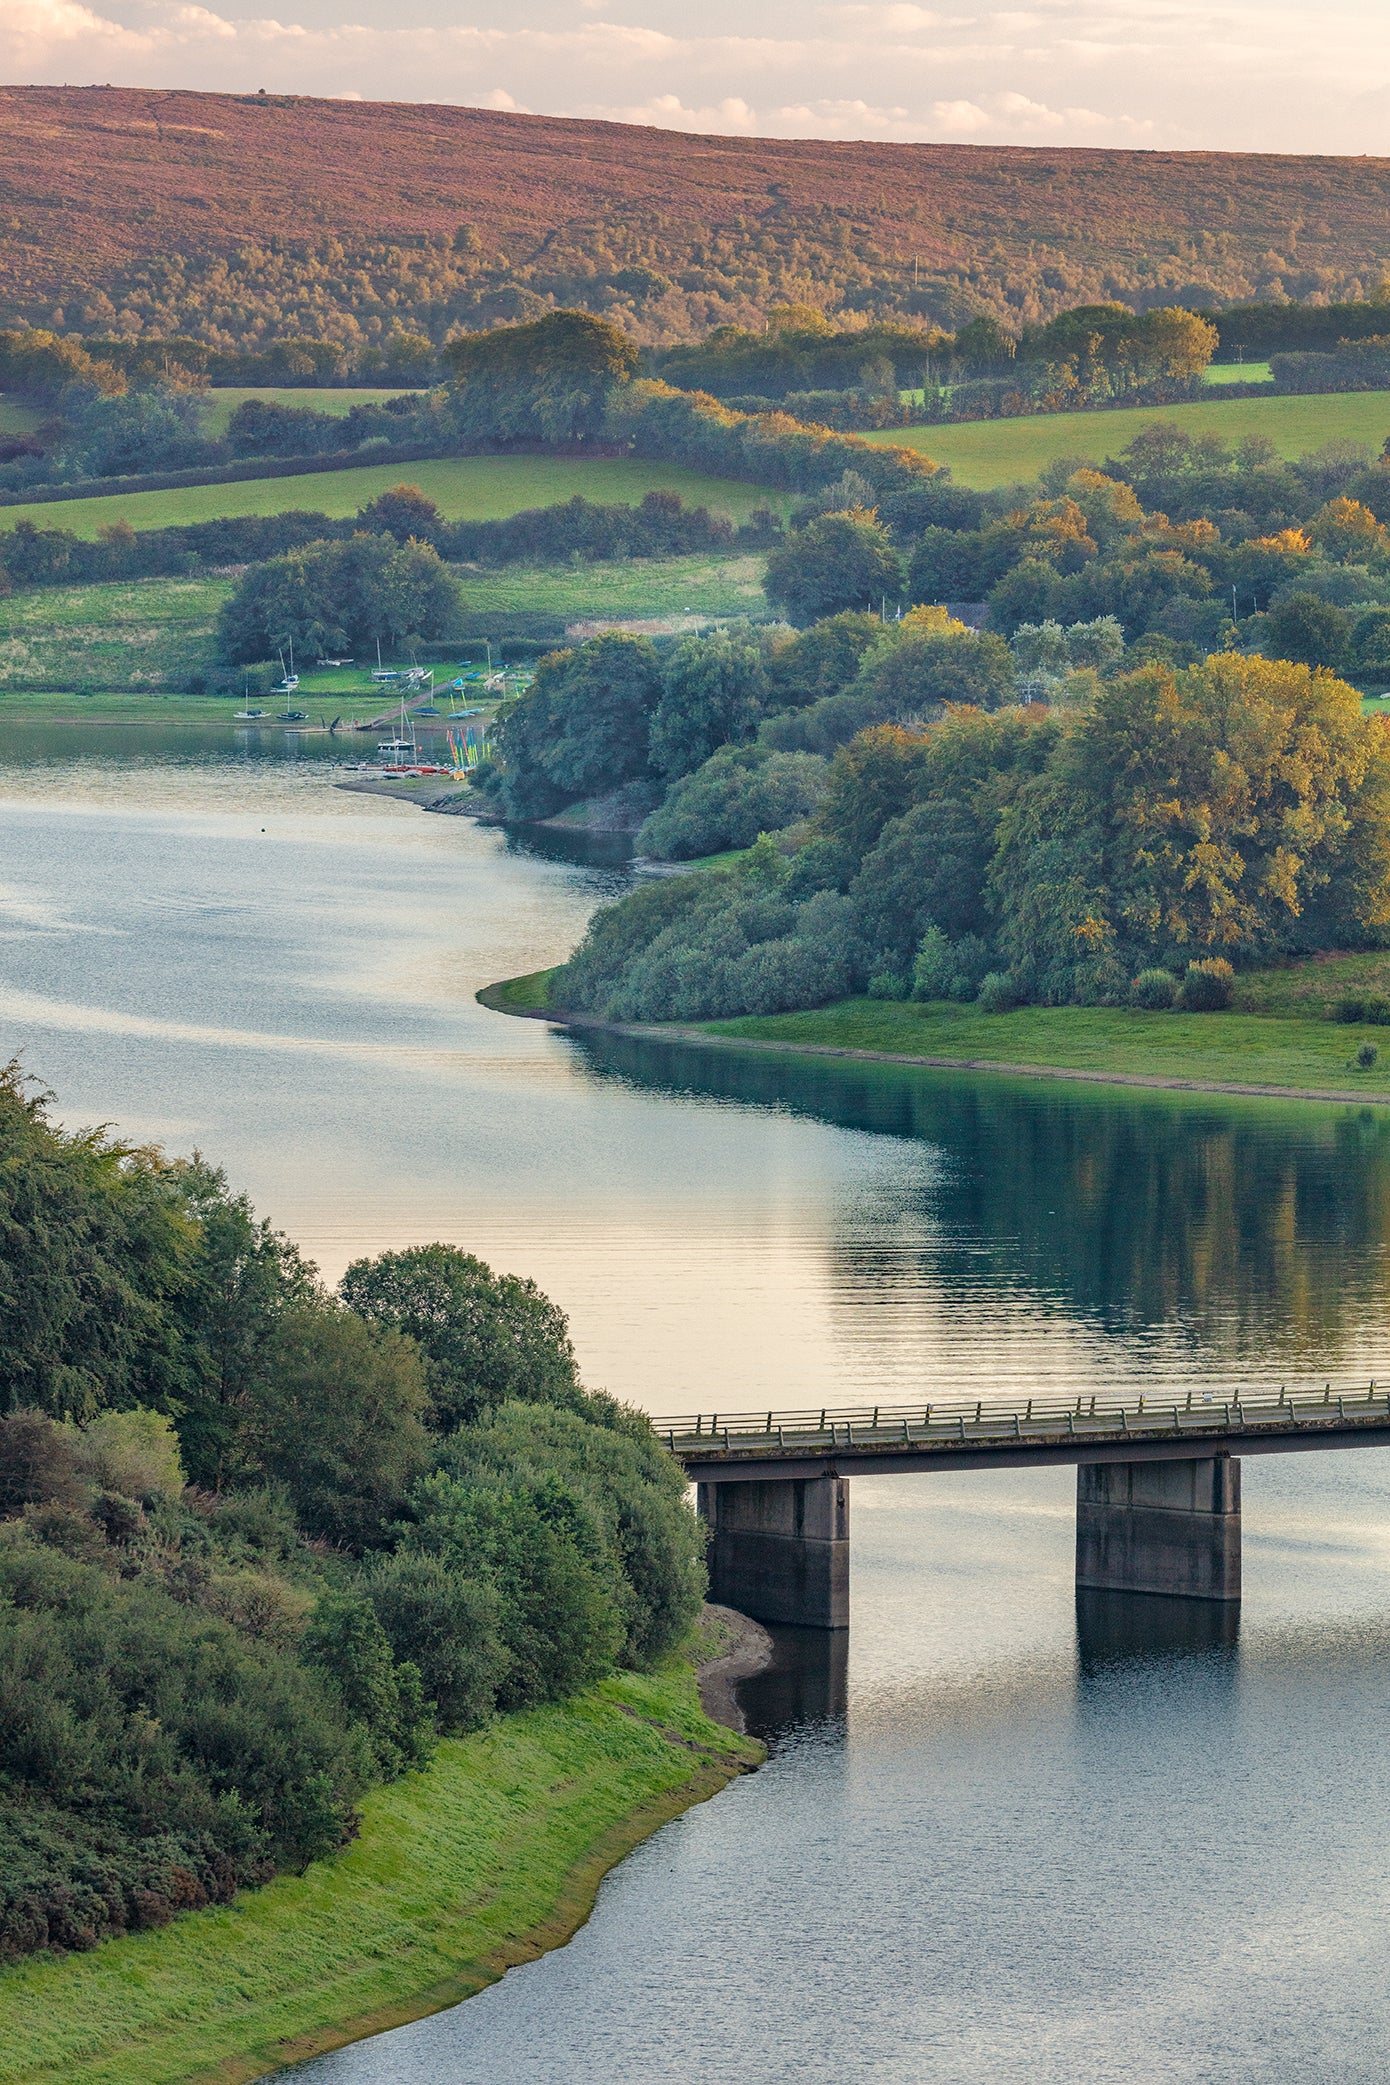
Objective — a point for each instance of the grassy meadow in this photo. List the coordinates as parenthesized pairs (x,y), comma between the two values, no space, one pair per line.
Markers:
(1294,1050)
(467,488)
(147,637)
(18,418)
(996,452)
(1237,373)
(659,589)
(223,400)
(141,635)
(487,1858)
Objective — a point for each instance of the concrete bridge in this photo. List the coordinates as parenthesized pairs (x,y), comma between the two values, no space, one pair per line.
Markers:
(1157,1494)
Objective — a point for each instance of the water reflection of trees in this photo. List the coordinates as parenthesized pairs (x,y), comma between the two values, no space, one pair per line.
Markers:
(1241,1222)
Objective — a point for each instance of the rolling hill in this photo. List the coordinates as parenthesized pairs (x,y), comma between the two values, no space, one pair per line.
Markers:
(240,217)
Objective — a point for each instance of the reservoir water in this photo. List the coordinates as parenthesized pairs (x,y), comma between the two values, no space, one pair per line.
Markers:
(999,1838)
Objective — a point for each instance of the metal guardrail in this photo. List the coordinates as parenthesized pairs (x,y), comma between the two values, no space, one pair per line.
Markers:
(705,1436)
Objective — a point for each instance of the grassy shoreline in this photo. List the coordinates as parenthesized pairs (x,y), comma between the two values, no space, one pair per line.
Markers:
(1277,1043)
(488,1858)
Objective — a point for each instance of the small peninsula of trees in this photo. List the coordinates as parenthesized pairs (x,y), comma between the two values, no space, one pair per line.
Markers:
(260,1542)
(1233,811)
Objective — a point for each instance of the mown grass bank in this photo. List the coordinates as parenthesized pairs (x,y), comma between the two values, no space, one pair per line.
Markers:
(487,1859)
(1296,1054)
(632,589)
(1278,1036)
(996,452)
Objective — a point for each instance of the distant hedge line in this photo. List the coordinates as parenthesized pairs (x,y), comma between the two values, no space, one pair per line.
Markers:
(225,473)
(660,526)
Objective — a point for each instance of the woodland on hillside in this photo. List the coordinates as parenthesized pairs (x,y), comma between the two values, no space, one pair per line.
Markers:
(246,218)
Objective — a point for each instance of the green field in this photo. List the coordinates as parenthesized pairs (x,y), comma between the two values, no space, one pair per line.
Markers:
(138,634)
(468,488)
(997,452)
(639,588)
(485,1859)
(148,636)
(224,399)
(17,418)
(1236,373)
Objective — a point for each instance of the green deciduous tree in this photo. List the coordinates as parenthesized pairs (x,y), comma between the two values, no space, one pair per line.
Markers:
(1308,630)
(822,660)
(740,791)
(402,511)
(1236,808)
(582,728)
(928,659)
(448,1625)
(338,595)
(337,1418)
(839,561)
(551,378)
(484,1337)
(384,1696)
(539,1549)
(713,691)
(96,1246)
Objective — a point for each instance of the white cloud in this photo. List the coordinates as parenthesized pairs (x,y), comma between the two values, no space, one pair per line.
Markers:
(901,20)
(960,118)
(55,25)
(668,112)
(196,20)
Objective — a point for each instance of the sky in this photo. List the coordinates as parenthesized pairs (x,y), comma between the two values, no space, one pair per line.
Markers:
(1249,75)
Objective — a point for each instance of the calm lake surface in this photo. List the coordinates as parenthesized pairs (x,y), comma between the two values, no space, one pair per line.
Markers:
(998,1839)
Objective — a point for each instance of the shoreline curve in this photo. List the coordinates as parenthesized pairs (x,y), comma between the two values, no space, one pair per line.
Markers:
(1162,1082)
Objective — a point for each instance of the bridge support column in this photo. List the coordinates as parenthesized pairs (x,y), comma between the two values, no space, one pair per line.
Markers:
(780,1551)
(1160,1527)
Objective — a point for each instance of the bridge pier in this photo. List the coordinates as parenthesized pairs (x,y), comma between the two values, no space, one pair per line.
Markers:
(1160,1527)
(779,1550)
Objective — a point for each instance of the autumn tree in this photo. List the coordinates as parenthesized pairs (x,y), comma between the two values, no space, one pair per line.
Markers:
(1238,808)
(550,378)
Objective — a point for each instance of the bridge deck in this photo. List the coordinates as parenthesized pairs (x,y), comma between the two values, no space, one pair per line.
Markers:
(724,1446)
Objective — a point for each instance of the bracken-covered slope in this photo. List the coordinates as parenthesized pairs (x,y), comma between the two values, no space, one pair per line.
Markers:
(124,209)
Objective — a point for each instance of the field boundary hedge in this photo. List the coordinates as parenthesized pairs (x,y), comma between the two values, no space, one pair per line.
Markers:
(229,473)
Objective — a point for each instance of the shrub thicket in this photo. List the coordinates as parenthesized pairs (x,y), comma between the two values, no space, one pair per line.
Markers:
(739,792)
(409,1514)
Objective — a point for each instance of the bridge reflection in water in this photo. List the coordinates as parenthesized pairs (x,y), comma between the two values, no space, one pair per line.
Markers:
(805,1687)
(1158,1483)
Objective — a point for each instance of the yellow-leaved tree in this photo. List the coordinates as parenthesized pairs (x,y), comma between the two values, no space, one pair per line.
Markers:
(1240,807)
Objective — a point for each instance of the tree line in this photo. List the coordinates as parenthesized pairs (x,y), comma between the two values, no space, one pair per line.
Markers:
(661,524)
(261,1541)
(565,380)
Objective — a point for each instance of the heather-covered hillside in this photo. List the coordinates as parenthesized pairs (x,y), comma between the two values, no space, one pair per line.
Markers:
(240,218)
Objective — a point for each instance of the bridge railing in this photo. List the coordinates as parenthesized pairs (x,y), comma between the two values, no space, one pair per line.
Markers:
(824,1430)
